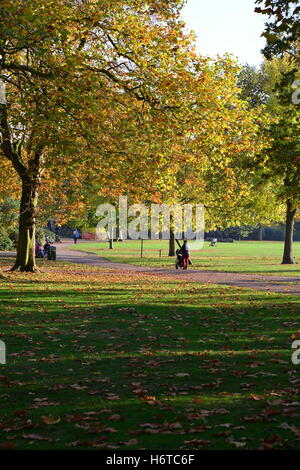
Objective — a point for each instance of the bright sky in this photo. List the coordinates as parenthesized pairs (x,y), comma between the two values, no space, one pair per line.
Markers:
(227,26)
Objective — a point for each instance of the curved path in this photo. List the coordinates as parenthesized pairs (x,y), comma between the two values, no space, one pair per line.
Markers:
(280,284)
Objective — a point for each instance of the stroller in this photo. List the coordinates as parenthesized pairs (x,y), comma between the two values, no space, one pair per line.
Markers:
(179,260)
(50,251)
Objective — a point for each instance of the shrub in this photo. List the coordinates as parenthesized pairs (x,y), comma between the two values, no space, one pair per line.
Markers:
(41,234)
(6,243)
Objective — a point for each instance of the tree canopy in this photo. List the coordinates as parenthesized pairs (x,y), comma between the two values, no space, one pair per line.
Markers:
(282,30)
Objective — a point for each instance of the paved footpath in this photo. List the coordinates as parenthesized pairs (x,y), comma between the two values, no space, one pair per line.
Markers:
(280,284)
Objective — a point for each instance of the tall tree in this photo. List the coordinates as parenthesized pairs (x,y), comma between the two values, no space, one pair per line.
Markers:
(277,171)
(70,68)
(284,155)
(282,33)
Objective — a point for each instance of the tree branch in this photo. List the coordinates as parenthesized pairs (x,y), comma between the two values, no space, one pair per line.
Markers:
(7,146)
(27,68)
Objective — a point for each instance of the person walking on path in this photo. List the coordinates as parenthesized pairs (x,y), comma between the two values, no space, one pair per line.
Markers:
(75,236)
(185,254)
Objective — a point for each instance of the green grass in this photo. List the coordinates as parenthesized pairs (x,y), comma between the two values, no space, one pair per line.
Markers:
(242,257)
(136,363)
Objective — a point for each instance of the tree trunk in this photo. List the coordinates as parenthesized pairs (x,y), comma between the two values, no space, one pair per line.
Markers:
(172,236)
(172,242)
(289,232)
(30,174)
(111,244)
(25,260)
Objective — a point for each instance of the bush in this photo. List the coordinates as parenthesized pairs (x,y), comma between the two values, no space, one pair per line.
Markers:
(9,210)
(9,213)
(6,243)
(13,235)
(42,233)
(49,234)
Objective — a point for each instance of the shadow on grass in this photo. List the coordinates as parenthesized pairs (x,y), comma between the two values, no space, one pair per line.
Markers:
(181,367)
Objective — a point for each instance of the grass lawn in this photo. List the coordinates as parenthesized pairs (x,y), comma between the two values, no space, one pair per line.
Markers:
(97,360)
(242,257)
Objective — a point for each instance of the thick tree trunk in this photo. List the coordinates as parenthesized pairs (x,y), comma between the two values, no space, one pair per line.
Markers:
(25,260)
(289,232)
(30,174)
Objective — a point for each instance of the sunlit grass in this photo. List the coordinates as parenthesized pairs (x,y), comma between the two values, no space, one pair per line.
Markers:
(244,257)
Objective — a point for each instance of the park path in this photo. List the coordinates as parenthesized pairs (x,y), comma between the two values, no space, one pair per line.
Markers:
(279,284)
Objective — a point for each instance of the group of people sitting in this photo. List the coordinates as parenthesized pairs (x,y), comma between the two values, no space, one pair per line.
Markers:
(41,251)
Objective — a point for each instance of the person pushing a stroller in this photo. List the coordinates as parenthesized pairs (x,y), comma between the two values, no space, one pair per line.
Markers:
(183,256)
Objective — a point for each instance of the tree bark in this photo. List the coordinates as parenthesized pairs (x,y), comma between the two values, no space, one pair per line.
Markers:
(261,233)
(172,236)
(25,260)
(288,257)
(172,242)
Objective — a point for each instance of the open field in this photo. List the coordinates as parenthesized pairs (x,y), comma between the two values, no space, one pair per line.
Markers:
(243,257)
(99,360)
